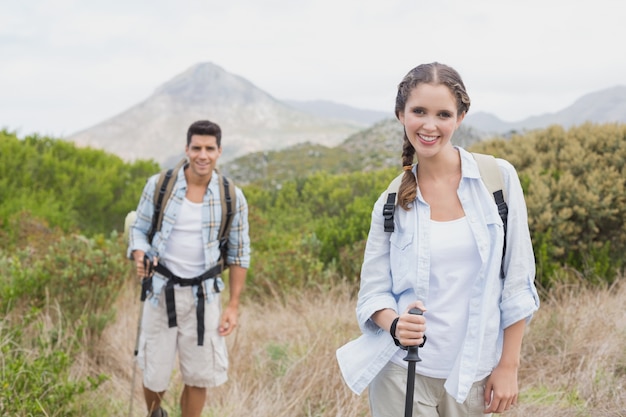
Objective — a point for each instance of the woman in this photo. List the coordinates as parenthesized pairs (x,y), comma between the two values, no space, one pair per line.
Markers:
(444,257)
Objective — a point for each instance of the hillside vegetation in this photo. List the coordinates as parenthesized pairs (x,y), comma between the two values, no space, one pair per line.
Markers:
(63,276)
(575,187)
(368,150)
(82,190)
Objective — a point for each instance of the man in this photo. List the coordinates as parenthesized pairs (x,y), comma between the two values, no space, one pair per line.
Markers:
(182,314)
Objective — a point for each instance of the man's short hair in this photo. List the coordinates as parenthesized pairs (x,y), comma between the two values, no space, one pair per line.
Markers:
(205,128)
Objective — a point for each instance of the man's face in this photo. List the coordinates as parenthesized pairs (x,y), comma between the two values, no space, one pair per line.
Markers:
(203,154)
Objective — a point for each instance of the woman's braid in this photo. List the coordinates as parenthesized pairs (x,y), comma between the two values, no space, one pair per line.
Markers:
(408,187)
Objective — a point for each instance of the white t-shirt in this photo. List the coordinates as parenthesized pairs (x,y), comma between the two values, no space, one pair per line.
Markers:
(454,267)
(184,255)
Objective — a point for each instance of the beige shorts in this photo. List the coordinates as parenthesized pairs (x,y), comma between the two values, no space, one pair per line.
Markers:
(387,395)
(201,366)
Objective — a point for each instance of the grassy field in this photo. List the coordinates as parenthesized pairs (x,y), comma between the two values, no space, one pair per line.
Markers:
(283,358)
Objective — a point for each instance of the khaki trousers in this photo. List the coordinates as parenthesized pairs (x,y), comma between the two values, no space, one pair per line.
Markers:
(387,394)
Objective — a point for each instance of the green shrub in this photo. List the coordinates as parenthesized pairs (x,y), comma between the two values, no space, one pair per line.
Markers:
(575,187)
(76,189)
(81,275)
(310,231)
(35,378)
(56,292)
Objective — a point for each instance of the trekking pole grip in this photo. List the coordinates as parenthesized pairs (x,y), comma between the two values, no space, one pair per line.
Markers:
(146,281)
(412,354)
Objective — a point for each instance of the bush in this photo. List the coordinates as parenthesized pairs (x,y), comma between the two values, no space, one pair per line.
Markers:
(575,187)
(310,230)
(76,189)
(36,381)
(81,275)
(57,291)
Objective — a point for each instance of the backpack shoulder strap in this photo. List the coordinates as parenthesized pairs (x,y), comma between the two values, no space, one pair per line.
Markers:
(162,193)
(490,173)
(390,205)
(492,177)
(228,198)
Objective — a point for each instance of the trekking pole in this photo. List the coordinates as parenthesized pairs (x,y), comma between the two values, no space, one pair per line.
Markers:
(411,357)
(146,286)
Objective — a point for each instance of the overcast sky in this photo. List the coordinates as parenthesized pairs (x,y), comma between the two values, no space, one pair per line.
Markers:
(69,64)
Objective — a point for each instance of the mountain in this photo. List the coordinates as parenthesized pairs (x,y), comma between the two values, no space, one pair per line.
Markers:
(331,110)
(604,106)
(251,119)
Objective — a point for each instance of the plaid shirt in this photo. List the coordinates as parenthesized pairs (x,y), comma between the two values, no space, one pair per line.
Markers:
(238,239)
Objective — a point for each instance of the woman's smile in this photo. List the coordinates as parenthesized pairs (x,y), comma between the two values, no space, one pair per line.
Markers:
(427,139)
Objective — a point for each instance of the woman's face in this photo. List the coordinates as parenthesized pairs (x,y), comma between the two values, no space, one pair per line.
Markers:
(430,118)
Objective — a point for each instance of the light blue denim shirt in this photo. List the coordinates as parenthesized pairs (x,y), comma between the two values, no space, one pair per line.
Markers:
(396,270)
(238,239)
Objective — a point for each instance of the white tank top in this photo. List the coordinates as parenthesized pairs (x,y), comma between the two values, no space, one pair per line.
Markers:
(184,253)
(454,266)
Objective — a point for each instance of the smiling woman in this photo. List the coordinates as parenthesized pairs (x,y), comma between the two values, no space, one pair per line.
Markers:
(446,243)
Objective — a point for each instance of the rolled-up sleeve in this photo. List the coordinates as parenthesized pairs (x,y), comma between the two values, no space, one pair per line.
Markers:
(239,237)
(138,233)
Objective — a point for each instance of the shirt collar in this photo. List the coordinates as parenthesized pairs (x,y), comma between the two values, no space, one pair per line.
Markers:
(469,167)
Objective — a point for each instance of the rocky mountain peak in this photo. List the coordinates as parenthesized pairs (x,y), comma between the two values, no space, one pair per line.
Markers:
(207,82)
(251,119)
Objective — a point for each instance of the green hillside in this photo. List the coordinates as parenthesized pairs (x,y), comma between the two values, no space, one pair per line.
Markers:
(83,190)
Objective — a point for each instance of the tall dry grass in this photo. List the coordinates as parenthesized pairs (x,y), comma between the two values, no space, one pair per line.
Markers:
(283,358)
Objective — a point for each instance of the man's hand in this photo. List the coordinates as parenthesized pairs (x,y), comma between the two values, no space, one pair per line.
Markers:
(228,321)
(141,266)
